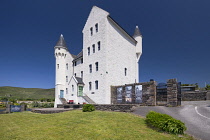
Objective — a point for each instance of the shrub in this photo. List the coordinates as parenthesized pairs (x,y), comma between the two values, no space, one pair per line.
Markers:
(88,108)
(165,123)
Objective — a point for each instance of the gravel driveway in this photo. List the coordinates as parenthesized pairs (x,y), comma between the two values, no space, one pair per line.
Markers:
(195,115)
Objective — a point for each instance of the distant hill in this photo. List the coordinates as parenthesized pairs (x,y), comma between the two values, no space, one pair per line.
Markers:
(26,93)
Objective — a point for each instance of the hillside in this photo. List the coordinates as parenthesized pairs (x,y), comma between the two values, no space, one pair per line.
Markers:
(26,93)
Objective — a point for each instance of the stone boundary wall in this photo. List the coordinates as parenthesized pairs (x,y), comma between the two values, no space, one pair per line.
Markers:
(172,92)
(148,93)
(117,107)
(194,95)
(208,95)
(102,107)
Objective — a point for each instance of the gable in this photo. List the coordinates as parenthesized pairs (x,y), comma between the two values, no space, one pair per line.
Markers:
(95,14)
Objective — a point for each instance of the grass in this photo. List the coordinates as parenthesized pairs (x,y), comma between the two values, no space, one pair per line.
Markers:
(79,125)
(26,93)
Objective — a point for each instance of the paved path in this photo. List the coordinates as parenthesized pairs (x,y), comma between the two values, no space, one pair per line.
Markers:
(195,115)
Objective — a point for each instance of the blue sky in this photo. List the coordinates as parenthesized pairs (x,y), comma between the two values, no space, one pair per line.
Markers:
(176,37)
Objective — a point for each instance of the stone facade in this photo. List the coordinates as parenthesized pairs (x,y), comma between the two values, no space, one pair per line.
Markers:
(148,93)
(172,91)
(194,95)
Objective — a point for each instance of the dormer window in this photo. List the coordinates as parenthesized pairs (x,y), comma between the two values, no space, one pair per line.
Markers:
(93,48)
(96,26)
(91,31)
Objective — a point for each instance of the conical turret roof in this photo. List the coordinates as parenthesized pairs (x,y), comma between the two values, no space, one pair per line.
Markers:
(137,32)
(61,42)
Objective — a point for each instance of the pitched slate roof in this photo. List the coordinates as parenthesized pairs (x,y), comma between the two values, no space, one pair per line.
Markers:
(137,32)
(121,29)
(61,42)
(80,55)
(79,80)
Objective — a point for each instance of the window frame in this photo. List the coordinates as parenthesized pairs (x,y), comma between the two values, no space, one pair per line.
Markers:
(99,45)
(90,68)
(90,86)
(96,84)
(91,31)
(126,71)
(93,46)
(96,64)
(88,51)
(96,27)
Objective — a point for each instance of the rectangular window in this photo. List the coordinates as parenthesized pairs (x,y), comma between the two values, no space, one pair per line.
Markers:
(99,45)
(75,63)
(90,67)
(82,60)
(66,90)
(96,66)
(81,74)
(90,85)
(88,50)
(75,74)
(66,78)
(96,84)
(93,48)
(96,26)
(91,31)
(125,71)
(67,66)
(72,88)
(58,66)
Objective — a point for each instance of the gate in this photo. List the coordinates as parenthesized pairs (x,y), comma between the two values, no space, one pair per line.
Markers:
(161,96)
(179,94)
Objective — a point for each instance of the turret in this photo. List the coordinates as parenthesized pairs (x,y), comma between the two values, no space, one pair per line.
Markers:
(138,37)
(60,69)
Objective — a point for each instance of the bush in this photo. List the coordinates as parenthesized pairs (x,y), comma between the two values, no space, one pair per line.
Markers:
(165,123)
(88,108)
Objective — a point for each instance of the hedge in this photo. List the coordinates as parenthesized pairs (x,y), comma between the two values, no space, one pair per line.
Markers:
(88,108)
(165,123)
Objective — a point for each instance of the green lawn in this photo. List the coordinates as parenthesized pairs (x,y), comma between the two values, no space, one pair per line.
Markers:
(76,124)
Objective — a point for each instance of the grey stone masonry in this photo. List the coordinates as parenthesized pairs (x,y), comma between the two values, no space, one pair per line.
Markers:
(208,95)
(148,93)
(194,95)
(172,91)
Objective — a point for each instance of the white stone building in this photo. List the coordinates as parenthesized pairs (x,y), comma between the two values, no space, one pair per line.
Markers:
(109,57)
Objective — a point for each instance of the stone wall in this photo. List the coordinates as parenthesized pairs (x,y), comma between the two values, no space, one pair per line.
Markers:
(172,91)
(194,95)
(117,107)
(148,93)
(208,95)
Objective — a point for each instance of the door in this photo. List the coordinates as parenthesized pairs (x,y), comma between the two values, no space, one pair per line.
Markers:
(80,92)
(61,93)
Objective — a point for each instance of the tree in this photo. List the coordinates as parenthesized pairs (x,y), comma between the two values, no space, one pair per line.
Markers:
(207,87)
